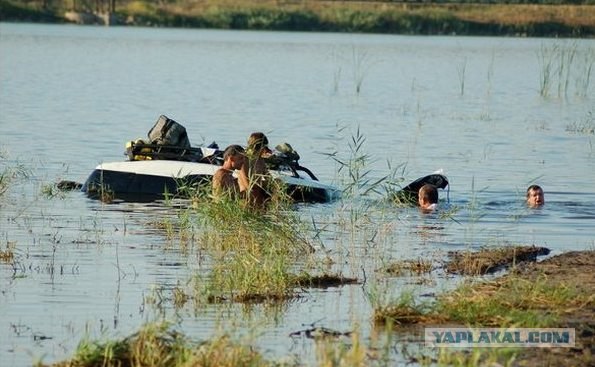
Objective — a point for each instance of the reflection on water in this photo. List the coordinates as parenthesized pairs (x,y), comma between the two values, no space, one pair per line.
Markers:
(71,97)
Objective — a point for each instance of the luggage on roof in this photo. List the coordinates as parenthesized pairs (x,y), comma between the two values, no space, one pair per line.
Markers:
(168,132)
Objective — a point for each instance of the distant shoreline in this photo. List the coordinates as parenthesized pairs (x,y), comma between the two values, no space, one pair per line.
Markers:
(469,19)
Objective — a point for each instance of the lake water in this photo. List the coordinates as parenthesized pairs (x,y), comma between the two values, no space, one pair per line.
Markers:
(71,96)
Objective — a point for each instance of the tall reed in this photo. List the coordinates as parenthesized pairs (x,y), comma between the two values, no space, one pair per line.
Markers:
(253,252)
(461,69)
(11,173)
(560,63)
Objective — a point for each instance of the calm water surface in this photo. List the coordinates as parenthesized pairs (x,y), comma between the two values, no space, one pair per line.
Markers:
(70,97)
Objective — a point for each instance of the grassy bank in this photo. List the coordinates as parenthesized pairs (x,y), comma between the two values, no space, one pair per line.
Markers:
(334,16)
(557,292)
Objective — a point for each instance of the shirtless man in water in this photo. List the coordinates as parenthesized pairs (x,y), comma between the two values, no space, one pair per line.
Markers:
(224,182)
(535,197)
(428,198)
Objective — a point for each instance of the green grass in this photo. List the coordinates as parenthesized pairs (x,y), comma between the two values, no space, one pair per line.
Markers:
(512,301)
(252,253)
(160,345)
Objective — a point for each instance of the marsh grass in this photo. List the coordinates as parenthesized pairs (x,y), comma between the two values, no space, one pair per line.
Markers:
(461,70)
(405,310)
(160,345)
(408,267)
(51,191)
(477,357)
(7,253)
(562,62)
(253,252)
(11,173)
(332,352)
(361,66)
(508,301)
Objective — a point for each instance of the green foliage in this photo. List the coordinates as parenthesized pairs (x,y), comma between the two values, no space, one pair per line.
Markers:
(422,18)
(253,251)
(27,11)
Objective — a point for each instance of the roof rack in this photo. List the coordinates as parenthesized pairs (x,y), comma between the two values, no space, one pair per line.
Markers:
(140,151)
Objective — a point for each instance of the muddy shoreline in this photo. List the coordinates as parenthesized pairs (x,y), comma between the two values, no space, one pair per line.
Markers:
(576,270)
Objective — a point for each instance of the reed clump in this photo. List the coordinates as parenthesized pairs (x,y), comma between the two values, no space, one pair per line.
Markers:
(404,311)
(159,345)
(253,252)
(11,173)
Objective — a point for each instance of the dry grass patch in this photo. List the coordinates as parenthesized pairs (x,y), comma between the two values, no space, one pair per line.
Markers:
(408,267)
(322,281)
(488,260)
(516,14)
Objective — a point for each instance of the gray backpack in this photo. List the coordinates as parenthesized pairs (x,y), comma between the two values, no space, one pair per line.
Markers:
(168,132)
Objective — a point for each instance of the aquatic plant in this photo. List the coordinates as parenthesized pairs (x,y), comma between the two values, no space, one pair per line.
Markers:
(562,62)
(160,345)
(404,310)
(331,352)
(356,180)
(461,68)
(585,71)
(252,251)
(361,66)
(10,173)
(7,254)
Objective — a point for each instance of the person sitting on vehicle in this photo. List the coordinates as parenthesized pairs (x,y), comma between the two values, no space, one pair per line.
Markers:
(428,198)
(535,197)
(224,182)
(255,169)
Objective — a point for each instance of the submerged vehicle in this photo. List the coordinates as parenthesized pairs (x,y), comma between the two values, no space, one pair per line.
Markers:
(169,166)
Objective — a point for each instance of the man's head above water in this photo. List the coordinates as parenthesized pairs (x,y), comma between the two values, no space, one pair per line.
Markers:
(535,196)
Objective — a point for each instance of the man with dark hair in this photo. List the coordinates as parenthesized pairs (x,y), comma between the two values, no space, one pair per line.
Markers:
(428,198)
(224,182)
(256,171)
(258,143)
(535,196)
